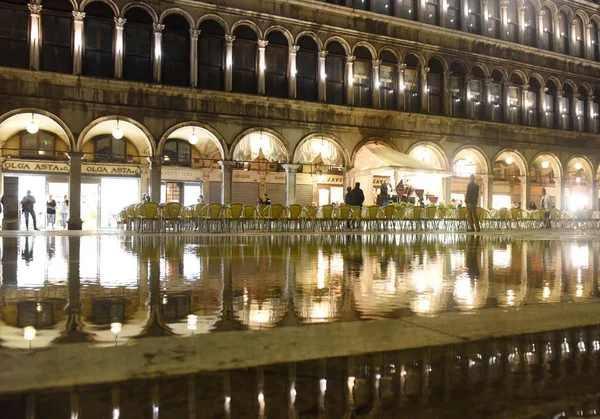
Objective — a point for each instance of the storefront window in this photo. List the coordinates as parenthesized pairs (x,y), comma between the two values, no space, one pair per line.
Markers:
(109,149)
(38,146)
(178,153)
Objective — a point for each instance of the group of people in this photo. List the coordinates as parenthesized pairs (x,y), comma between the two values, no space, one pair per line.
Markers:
(29,201)
(355,196)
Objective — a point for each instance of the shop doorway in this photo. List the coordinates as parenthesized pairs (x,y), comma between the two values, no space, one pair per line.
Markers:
(58,190)
(37,185)
(116,195)
(90,193)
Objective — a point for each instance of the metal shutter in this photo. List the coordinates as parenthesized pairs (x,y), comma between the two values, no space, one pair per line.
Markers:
(276,192)
(215,193)
(304,194)
(244,192)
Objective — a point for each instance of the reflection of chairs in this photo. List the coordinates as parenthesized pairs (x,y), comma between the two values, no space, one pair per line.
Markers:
(428,217)
(516,217)
(356,220)
(171,214)
(413,217)
(389,216)
(273,216)
(342,216)
(131,216)
(148,216)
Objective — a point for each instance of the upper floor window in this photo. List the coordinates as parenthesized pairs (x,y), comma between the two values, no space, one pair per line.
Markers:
(362,77)
(474,23)
(99,29)
(580,103)
(176,51)
(533,103)
(307,63)
(41,145)
(334,74)
(110,150)
(361,4)
(178,152)
(563,36)
(578,41)
(211,56)
(512,21)
(453,14)
(385,7)
(387,80)
(244,60)
(493,19)
(57,29)
(432,12)
(276,71)
(14,21)
(412,85)
(137,61)
(407,9)
(530,25)
(435,88)
(548,29)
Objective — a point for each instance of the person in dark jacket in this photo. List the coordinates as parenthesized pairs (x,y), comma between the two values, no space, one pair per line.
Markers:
(358,197)
(348,190)
(471,199)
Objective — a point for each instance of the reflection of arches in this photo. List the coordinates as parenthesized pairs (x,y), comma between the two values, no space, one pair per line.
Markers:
(132,130)
(248,145)
(441,160)
(478,156)
(203,131)
(303,155)
(15,121)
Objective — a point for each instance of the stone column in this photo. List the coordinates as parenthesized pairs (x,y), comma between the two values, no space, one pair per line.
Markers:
(350,79)
(401,96)
(560,199)
(574,116)
(464,15)
(446,94)
(155,178)
(468,106)
(290,182)
(543,115)
(229,62)
(443,13)
(424,90)
(573,42)
(541,42)
(487,99)
(77,41)
(594,202)
(525,190)
(591,117)
(588,42)
(375,84)
(144,179)
(504,19)
(119,24)
(226,181)
(421,11)
(206,184)
(75,222)
(322,76)
(194,57)
(262,66)
(158,28)
(558,109)
(488,181)
(522,10)
(557,38)
(506,100)
(485,24)
(524,102)
(35,35)
(447,188)
(292,70)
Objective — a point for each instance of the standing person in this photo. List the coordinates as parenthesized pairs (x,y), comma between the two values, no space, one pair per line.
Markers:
(358,196)
(348,196)
(383,199)
(64,211)
(545,204)
(50,211)
(27,209)
(471,199)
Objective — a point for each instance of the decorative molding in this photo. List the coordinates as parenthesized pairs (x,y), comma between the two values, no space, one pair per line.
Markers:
(262,43)
(293,49)
(158,28)
(120,22)
(78,16)
(323,53)
(229,39)
(35,9)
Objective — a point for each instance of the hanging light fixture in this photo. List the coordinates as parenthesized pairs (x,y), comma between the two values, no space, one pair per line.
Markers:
(32,127)
(193,139)
(545,164)
(578,166)
(509,160)
(117,133)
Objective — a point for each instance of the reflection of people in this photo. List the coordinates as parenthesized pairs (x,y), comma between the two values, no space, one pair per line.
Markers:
(27,209)
(471,199)
(545,204)
(64,211)
(27,253)
(472,257)
(50,211)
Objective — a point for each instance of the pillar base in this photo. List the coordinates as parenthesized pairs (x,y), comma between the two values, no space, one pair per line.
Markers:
(10,224)
(75,224)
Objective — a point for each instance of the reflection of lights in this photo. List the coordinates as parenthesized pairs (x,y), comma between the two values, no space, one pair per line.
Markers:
(116,327)
(578,180)
(323,385)
(227,404)
(38,307)
(29,333)
(545,164)
(596,345)
(501,258)
(351,381)
(116,413)
(546,292)
(580,256)
(192,322)
(320,270)
(510,297)
(565,346)
(581,346)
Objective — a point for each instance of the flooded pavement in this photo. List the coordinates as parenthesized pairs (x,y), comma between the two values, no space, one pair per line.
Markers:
(108,291)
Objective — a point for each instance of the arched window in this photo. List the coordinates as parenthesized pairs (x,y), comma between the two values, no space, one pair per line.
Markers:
(412,84)
(432,12)
(453,14)
(594,37)
(514,104)
(361,4)
(276,72)
(435,87)
(137,60)
(307,64)
(41,145)
(334,71)
(495,99)
(530,25)
(57,29)
(533,102)
(493,18)
(385,7)
(595,113)
(211,56)
(14,21)
(512,21)
(476,90)
(178,153)
(456,83)
(108,149)
(578,33)
(387,80)
(550,105)
(99,29)
(566,116)
(407,9)
(362,77)
(176,51)
(244,60)
(338,2)
(548,29)
(564,35)
(474,23)
(581,117)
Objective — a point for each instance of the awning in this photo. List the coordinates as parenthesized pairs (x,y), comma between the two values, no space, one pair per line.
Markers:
(377,158)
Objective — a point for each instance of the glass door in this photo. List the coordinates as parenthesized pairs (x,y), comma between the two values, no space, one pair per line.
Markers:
(90,198)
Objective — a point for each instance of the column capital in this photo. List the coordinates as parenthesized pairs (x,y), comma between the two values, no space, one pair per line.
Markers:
(291,168)
(293,49)
(468,77)
(589,26)
(560,93)
(522,8)
(35,9)
(425,70)
(525,87)
(401,67)
(350,58)
(78,16)
(591,98)
(544,90)
(158,28)
(75,155)
(556,19)
(446,75)
(194,34)
(262,43)
(227,165)
(120,22)
(504,4)
(229,39)
(576,95)
(323,53)
(574,22)
(489,81)
(376,63)
(540,13)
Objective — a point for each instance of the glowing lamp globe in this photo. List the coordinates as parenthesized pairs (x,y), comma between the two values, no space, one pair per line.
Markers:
(32,127)
(578,166)
(509,160)
(545,164)
(117,133)
(193,139)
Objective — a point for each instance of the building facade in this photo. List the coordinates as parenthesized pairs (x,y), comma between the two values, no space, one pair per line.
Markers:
(224,101)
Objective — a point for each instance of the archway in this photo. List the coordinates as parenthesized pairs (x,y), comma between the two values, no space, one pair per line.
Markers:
(579,184)
(466,162)
(510,182)
(432,184)
(545,172)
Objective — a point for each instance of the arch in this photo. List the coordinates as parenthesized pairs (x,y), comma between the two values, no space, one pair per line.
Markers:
(520,161)
(483,159)
(536,4)
(501,71)
(520,74)
(537,77)
(110,4)
(571,83)
(331,138)
(134,131)
(482,67)
(587,165)
(366,45)
(369,140)
(310,35)
(74,5)
(568,11)
(551,6)
(439,58)
(280,138)
(213,135)
(215,18)
(554,162)
(420,57)
(439,151)
(340,41)
(177,11)
(584,17)
(15,121)
(460,62)
(595,18)
(587,87)
(392,50)
(140,5)
(250,24)
(554,80)
(277,28)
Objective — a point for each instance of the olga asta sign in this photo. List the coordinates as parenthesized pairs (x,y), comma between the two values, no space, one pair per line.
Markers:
(51,167)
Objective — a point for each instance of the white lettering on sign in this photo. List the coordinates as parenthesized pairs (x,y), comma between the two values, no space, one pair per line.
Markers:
(336,180)
(21,166)
(111,170)
(196,175)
